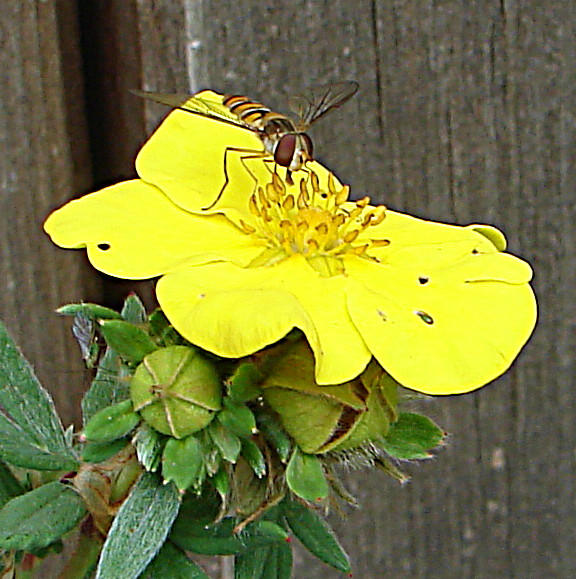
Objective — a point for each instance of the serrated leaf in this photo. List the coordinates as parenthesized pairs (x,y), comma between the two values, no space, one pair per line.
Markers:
(305,477)
(183,462)
(316,535)
(227,442)
(24,399)
(101,451)
(139,529)
(243,384)
(149,444)
(112,422)
(133,310)
(237,418)
(412,437)
(128,340)
(220,539)
(92,311)
(253,455)
(173,563)
(19,448)
(38,518)
(275,435)
(110,385)
(10,486)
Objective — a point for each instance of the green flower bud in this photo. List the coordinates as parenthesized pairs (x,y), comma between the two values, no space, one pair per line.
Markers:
(325,418)
(176,391)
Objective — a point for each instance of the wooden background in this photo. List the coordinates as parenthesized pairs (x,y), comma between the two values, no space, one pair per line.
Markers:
(466,114)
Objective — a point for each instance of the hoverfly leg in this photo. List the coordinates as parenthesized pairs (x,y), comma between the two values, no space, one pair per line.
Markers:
(289,179)
(255,155)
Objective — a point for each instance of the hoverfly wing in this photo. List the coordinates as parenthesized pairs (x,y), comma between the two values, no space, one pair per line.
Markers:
(319,100)
(191,103)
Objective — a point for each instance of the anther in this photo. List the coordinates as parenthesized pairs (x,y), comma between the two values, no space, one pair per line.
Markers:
(351,236)
(288,203)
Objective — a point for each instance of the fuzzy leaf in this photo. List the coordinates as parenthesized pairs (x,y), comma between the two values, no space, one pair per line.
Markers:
(133,310)
(183,463)
(26,402)
(101,451)
(220,539)
(112,422)
(270,562)
(275,435)
(10,486)
(316,535)
(38,518)
(139,529)
(227,442)
(131,342)
(253,456)
(91,311)
(19,448)
(243,384)
(237,418)
(109,386)
(305,477)
(172,562)
(149,444)
(412,437)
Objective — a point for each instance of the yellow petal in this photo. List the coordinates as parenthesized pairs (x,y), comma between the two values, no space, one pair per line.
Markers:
(234,312)
(133,231)
(448,335)
(206,164)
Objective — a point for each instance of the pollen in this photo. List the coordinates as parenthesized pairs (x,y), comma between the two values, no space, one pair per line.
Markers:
(316,222)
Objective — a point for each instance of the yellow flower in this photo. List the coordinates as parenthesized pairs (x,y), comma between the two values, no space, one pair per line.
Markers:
(245,257)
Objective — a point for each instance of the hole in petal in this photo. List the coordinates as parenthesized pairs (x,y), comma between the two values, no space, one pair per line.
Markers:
(426,318)
(104,246)
(423,279)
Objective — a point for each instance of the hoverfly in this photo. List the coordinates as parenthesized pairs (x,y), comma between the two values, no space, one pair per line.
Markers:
(282,137)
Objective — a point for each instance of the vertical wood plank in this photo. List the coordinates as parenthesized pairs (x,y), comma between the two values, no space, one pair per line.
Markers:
(44,161)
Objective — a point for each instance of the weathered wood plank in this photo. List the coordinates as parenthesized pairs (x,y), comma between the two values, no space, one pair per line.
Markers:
(44,161)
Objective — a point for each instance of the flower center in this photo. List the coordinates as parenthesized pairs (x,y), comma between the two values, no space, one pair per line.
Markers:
(319,224)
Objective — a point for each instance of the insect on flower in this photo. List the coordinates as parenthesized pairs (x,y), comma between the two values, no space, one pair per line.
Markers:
(282,137)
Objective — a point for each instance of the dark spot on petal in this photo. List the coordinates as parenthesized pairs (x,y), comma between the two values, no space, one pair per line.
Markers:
(423,279)
(426,318)
(474,251)
(201,296)
(104,246)
(382,315)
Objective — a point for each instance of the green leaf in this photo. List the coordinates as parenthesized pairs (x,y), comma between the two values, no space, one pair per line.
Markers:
(92,311)
(305,477)
(253,455)
(316,535)
(275,435)
(243,384)
(133,310)
(173,563)
(19,448)
(110,385)
(183,463)
(220,539)
(112,423)
(237,418)
(270,562)
(197,512)
(10,486)
(227,442)
(412,437)
(149,444)
(162,331)
(128,340)
(139,529)
(26,402)
(38,518)
(101,451)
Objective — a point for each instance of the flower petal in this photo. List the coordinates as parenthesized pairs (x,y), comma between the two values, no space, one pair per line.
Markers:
(133,231)
(234,312)
(206,164)
(445,334)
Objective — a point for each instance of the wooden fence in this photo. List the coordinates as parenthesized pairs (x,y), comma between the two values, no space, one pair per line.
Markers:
(466,114)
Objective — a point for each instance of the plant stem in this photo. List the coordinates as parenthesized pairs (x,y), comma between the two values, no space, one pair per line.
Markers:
(86,553)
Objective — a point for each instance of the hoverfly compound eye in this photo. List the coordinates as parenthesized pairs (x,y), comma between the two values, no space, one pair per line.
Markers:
(285,148)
